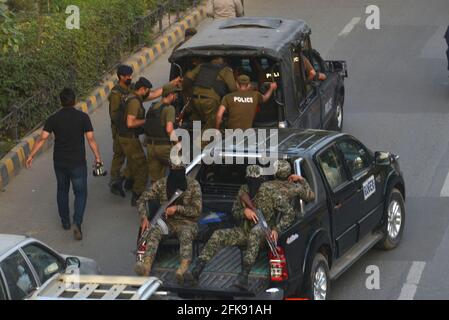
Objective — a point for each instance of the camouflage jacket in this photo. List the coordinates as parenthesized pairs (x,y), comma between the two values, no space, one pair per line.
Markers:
(292,189)
(188,206)
(270,200)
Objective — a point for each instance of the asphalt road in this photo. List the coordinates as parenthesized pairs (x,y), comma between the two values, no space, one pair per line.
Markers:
(396,100)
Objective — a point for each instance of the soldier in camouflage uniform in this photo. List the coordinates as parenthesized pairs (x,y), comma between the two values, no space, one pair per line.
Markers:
(181,217)
(292,185)
(271,202)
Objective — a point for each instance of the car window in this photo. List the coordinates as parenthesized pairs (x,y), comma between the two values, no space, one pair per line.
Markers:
(19,279)
(356,157)
(44,262)
(333,168)
(2,290)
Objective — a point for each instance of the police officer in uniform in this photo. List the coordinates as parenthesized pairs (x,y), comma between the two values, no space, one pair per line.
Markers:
(159,128)
(130,128)
(242,104)
(211,82)
(270,201)
(119,94)
(181,217)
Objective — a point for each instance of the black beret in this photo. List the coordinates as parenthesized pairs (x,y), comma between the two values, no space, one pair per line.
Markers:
(124,70)
(143,83)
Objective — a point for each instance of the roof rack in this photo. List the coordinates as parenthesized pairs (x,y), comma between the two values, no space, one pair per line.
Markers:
(94,287)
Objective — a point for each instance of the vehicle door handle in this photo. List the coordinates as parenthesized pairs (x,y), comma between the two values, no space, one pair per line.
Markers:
(338,206)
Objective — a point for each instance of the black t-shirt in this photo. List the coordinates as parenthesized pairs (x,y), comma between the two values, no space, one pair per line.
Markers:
(69,126)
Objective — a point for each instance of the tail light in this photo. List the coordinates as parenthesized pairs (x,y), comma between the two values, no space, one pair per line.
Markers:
(278,266)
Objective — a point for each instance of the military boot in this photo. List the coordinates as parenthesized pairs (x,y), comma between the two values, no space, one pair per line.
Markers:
(134,199)
(143,268)
(193,275)
(183,267)
(129,183)
(242,278)
(117,189)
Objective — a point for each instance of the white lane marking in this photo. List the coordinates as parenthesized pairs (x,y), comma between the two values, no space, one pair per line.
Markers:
(348,28)
(445,190)
(414,276)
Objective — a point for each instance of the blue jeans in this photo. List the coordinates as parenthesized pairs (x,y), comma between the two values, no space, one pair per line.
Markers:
(78,177)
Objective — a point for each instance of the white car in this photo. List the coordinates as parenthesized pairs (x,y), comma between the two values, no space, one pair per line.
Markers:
(26,264)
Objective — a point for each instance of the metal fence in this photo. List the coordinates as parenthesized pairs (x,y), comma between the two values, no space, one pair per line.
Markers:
(29,114)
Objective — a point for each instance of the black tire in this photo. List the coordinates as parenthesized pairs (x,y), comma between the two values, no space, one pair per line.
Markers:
(320,267)
(393,234)
(336,124)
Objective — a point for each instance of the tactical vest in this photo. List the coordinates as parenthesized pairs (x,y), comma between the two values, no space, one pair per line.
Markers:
(121,119)
(117,90)
(207,78)
(154,129)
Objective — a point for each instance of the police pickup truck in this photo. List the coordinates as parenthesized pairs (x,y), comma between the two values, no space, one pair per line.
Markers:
(359,203)
(273,50)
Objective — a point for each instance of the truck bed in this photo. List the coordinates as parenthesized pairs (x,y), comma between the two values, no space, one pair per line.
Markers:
(218,277)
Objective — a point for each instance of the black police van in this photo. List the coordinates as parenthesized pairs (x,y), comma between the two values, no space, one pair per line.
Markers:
(359,203)
(273,50)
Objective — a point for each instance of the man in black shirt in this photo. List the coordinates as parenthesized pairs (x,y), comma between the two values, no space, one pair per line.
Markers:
(69,126)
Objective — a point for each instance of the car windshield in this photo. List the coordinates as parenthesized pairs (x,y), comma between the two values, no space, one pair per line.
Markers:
(19,278)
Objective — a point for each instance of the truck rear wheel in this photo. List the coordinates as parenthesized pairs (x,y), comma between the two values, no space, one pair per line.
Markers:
(319,280)
(395,220)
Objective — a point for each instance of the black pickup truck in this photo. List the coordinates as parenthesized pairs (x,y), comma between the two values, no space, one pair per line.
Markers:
(359,203)
(273,50)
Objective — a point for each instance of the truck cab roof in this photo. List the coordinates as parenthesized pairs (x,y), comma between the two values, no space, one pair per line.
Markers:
(269,37)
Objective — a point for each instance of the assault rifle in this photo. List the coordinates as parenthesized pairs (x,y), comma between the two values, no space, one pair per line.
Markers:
(261,223)
(157,220)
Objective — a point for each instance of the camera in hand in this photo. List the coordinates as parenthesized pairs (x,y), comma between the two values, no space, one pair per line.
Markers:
(99,170)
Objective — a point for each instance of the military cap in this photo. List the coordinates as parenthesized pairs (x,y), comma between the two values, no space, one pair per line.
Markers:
(143,83)
(170,88)
(283,169)
(124,70)
(253,171)
(243,79)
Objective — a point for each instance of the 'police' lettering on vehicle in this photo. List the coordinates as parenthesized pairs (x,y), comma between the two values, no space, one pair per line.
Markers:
(369,187)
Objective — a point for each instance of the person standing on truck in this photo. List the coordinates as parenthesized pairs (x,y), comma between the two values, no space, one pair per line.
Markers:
(271,202)
(211,82)
(159,128)
(242,104)
(70,126)
(182,217)
(225,9)
(118,95)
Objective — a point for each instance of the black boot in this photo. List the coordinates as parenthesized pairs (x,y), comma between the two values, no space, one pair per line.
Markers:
(242,278)
(117,189)
(129,183)
(134,199)
(193,275)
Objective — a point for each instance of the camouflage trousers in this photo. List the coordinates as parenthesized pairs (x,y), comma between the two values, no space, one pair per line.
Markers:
(251,242)
(186,232)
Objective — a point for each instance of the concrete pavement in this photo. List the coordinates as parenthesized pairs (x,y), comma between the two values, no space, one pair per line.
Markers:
(397,100)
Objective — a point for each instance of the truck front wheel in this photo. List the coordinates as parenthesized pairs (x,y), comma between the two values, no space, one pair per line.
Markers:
(395,221)
(336,123)
(319,281)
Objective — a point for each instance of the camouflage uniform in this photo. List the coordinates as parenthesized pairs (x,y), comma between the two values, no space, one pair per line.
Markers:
(291,189)
(271,202)
(183,224)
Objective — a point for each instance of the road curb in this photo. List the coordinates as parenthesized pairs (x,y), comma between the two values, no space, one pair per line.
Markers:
(14,161)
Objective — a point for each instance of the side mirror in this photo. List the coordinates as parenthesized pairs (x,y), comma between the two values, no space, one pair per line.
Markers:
(73,262)
(383,158)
